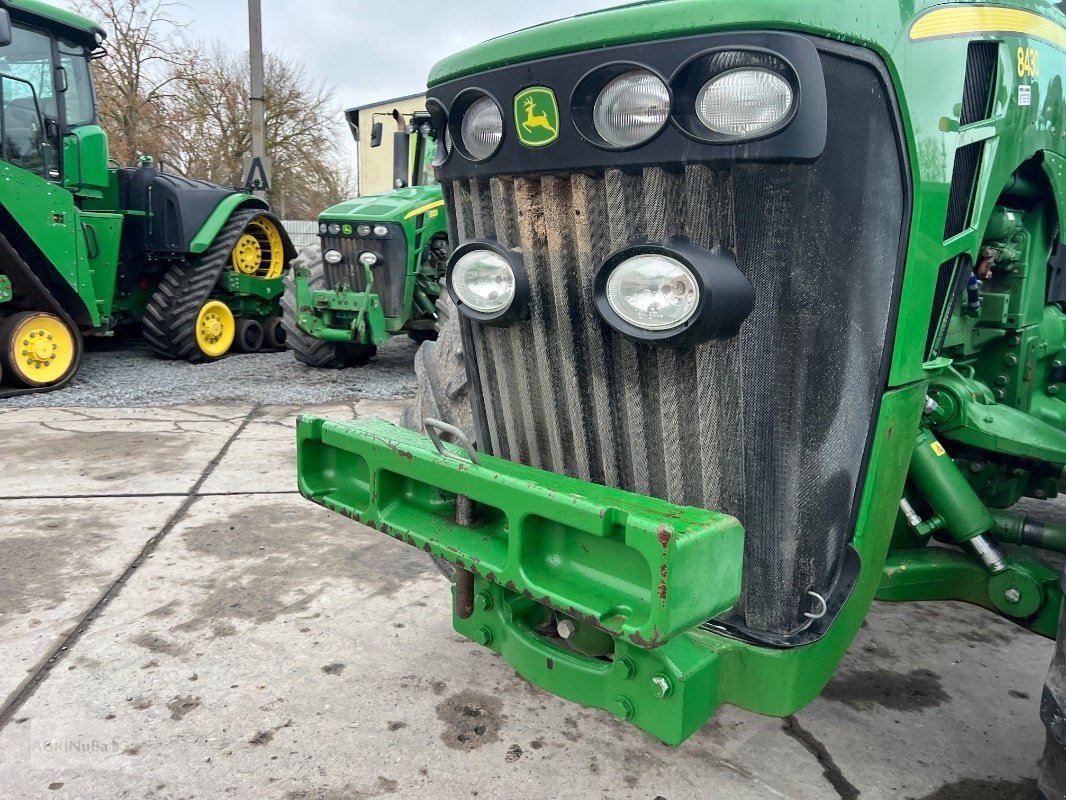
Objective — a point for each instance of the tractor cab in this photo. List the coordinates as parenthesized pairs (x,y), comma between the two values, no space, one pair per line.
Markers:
(47,105)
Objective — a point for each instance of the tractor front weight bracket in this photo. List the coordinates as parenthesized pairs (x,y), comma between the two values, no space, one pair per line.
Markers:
(586,590)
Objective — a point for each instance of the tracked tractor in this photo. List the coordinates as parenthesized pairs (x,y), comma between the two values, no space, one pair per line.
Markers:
(749,322)
(87,247)
(377,270)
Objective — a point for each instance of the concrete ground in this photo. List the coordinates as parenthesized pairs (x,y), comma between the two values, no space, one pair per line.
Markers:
(176,622)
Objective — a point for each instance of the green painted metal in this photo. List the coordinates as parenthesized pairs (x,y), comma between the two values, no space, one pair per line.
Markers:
(264,288)
(5,289)
(636,567)
(936,573)
(209,230)
(50,16)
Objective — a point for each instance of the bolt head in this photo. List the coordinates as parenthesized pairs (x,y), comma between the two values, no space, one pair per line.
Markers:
(483,601)
(566,628)
(483,636)
(1012,595)
(661,686)
(622,708)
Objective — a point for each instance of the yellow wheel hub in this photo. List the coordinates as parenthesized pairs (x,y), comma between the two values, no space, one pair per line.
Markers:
(41,349)
(259,251)
(215,329)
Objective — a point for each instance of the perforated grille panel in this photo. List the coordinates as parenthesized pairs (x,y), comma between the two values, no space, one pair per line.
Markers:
(390,273)
(770,426)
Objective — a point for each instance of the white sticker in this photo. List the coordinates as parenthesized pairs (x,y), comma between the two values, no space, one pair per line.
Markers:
(1025,95)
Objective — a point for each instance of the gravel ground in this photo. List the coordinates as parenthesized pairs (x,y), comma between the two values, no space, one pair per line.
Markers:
(125,373)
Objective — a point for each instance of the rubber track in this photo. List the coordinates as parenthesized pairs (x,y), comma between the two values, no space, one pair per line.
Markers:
(169,323)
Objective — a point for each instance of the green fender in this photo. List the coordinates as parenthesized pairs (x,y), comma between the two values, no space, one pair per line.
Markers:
(222,212)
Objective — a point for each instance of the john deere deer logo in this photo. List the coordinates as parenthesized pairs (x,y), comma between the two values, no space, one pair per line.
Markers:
(536,116)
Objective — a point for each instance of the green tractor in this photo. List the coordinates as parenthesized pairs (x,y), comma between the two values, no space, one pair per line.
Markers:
(86,248)
(748,323)
(378,270)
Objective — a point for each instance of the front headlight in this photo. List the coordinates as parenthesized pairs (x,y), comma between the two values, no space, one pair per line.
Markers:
(673,293)
(484,281)
(332,257)
(362,230)
(631,109)
(323,228)
(488,282)
(334,228)
(368,259)
(744,102)
(381,230)
(482,129)
(653,292)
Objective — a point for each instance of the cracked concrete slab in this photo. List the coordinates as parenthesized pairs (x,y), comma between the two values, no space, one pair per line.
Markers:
(108,455)
(948,696)
(57,560)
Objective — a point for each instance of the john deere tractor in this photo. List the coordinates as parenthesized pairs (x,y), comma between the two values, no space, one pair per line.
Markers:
(748,323)
(86,247)
(377,272)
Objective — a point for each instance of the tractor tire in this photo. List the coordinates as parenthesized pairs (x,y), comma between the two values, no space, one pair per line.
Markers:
(307,349)
(169,323)
(442,392)
(1052,782)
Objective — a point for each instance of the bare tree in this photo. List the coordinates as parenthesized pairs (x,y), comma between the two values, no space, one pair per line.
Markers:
(211,130)
(144,48)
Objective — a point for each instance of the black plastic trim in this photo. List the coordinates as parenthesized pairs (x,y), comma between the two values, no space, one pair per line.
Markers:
(801,140)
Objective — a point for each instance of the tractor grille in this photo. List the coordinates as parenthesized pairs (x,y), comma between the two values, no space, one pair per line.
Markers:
(390,273)
(770,426)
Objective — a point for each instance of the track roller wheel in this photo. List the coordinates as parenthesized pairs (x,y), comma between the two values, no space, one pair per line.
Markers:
(38,349)
(215,329)
(249,337)
(274,333)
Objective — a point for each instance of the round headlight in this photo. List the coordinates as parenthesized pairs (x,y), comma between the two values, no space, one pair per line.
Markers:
(368,259)
(322,227)
(381,230)
(332,257)
(362,231)
(482,129)
(744,102)
(653,292)
(334,228)
(484,281)
(631,108)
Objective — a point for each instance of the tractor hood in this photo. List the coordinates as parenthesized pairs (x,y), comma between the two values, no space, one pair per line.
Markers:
(875,23)
(394,206)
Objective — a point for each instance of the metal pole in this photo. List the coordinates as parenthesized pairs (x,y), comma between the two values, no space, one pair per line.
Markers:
(255,58)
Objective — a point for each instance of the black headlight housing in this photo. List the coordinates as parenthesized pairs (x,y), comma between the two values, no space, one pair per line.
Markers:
(725,299)
(519,307)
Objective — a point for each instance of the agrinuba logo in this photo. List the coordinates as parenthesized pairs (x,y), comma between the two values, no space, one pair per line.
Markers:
(536,116)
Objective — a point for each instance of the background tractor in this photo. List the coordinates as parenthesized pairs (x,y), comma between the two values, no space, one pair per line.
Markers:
(86,247)
(378,269)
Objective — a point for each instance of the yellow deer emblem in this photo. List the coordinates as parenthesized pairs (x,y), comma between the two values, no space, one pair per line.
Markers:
(534,120)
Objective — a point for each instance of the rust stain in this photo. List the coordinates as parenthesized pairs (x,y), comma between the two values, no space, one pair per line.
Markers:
(551,664)
(655,640)
(663,534)
(662,584)
(510,585)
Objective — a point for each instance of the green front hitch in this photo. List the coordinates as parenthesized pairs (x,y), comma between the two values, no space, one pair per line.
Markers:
(586,590)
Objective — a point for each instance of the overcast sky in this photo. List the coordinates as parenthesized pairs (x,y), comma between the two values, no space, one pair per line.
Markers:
(373,50)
